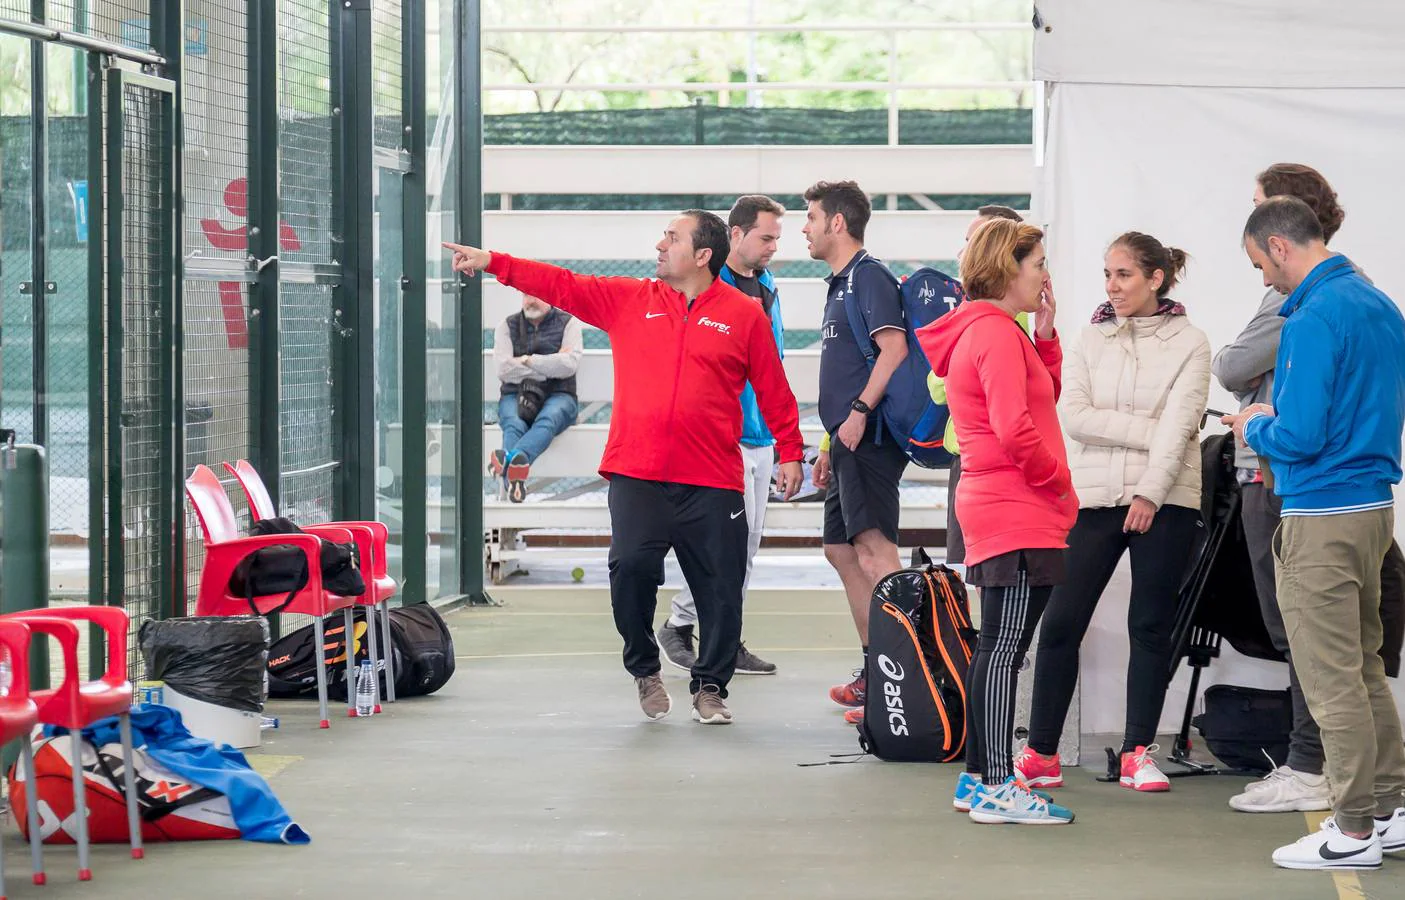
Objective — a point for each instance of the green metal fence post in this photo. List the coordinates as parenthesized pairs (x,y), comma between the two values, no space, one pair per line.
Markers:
(39,228)
(98,327)
(168,34)
(263,244)
(113,184)
(80,84)
(414,352)
(468,113)
(353,207)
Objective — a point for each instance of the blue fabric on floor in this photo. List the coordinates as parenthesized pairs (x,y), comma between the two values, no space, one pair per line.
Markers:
(222,768)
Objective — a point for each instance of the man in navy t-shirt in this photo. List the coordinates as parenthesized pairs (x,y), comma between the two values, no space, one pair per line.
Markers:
(861,508)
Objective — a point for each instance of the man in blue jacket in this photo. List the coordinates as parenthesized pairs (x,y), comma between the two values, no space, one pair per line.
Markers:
(755,225)
(1331,440)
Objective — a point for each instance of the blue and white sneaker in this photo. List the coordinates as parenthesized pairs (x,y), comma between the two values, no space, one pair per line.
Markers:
(1014,804)
(966,785)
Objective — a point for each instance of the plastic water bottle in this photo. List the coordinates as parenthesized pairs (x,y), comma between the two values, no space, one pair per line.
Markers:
(364,689)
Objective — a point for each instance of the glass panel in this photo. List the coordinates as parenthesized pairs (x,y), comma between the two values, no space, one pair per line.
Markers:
(66,325)
(16,215)
(308,463)
(386,64)
(442,402)
(389,394)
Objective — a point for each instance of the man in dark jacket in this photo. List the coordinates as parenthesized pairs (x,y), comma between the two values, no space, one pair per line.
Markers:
(537,351)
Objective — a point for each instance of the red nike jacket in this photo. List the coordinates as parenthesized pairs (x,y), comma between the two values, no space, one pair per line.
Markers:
(679,372)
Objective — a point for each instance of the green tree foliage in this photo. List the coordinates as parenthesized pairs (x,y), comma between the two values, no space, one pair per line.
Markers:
(828,57)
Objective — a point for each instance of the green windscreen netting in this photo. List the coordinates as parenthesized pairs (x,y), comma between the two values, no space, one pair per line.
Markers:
(760,125)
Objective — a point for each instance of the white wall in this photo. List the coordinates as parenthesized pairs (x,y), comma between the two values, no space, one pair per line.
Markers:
(1133,147)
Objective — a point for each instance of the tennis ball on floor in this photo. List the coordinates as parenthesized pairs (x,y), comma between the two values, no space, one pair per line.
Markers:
(577,574)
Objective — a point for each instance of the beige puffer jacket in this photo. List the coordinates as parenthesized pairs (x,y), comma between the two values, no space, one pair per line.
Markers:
(1134,391)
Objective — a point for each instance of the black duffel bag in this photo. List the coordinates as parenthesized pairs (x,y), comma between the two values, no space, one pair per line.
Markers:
(282,569)
(420,641)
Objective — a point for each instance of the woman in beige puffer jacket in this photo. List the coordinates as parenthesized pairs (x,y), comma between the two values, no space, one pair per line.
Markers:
(1135,386)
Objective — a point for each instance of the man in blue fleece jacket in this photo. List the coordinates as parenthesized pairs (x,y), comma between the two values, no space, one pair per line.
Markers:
(1332,439)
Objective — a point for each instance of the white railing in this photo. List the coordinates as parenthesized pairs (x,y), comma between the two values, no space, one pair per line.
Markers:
(754,87)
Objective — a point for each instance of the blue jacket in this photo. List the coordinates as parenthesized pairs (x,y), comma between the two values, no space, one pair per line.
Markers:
(222,768)
(1338,396)
(754,430)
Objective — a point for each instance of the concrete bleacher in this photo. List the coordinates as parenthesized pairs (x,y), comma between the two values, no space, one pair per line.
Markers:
(912,236)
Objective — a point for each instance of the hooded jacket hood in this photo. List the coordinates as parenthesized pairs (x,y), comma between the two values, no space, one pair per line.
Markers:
(939,339)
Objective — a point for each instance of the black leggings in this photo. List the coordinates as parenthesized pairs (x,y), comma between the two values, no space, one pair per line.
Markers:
(1008,619)
(1159,560)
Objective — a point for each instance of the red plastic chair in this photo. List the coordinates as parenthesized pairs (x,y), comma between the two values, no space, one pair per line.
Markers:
(75,704)
(371,539)
(224,548)
(18,716)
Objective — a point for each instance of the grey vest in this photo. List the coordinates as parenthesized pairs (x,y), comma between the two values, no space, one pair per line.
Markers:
(538,339)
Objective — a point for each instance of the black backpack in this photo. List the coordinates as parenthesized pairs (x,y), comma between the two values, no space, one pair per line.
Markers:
(920,640)
(420,640)
(1242,724)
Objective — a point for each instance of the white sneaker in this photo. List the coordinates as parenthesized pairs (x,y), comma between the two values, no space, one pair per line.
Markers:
(1328,848)
(1392,832)
(1284,790)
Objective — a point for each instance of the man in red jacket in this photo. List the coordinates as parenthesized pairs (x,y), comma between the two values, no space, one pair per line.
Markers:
(683,346)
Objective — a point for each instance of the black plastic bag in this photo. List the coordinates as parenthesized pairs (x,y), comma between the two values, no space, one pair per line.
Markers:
(217,659)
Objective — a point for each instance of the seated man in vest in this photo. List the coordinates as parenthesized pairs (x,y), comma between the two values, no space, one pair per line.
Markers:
(537,352)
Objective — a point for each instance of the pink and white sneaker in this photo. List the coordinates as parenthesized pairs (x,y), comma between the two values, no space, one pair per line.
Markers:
(1140,772)
(1037,770)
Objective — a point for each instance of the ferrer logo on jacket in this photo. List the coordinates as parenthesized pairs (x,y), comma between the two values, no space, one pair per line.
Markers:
(710,323)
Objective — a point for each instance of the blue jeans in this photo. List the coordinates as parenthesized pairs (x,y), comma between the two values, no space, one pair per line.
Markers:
(557,414)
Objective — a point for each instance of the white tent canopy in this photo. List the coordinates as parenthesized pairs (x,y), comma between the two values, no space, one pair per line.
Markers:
(1161,112)
(1222,43)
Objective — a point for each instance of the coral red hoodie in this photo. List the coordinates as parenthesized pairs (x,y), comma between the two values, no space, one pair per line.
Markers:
(1015,491)
(679,371)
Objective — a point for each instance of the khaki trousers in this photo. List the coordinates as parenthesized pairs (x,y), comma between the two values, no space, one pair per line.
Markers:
(1328,573)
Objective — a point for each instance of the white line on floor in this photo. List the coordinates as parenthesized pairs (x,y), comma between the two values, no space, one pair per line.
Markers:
(574,653)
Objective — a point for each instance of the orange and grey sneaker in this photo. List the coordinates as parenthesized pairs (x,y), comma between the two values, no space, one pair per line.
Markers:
(497,464)
(851,694)
(1140,772)
(1037,770)
(853,716)
(518,470)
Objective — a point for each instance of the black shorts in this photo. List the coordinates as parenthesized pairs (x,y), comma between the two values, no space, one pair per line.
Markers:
(863,490)
(1042,568)
(955,540)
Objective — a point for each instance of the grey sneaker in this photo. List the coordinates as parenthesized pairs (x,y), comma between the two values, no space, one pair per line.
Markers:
(676,642)
(653,698)
(749,663)
(708,707)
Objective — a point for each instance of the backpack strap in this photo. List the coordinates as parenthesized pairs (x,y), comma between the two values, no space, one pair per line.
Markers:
(859,326)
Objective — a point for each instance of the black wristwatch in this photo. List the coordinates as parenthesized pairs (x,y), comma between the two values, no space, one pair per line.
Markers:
(861,407)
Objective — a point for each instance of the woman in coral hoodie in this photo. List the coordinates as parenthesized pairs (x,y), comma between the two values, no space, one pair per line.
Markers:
(1015,500)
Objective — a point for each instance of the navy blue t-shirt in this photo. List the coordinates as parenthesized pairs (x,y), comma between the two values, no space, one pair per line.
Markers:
(843,369)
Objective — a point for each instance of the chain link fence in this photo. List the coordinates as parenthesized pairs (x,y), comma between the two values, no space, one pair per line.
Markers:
(145,194)
(216,163)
